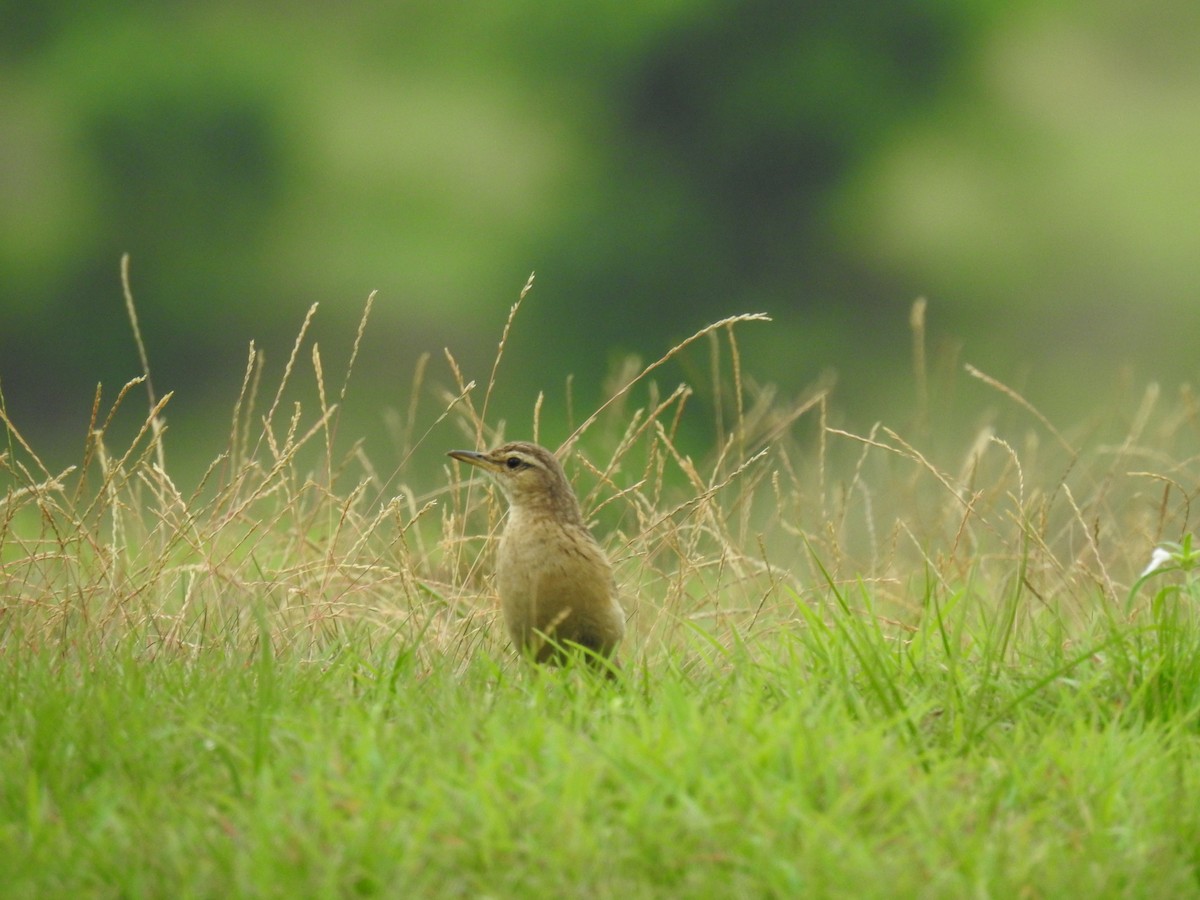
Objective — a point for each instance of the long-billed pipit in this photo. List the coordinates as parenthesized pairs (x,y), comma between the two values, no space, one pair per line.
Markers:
(556,585)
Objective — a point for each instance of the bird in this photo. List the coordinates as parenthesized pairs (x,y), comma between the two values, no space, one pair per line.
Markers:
(555,582)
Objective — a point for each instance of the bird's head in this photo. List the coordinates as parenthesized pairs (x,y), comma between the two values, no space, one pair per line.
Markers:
(530,476)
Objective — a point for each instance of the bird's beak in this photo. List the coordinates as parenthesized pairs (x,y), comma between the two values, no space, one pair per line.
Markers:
(474,459)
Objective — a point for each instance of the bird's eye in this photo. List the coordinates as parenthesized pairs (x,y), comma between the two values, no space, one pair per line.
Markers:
(513,462)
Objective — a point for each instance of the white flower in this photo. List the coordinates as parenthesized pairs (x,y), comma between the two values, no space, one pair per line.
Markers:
(1158,558)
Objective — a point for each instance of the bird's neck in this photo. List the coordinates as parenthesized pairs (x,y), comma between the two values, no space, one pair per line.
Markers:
(560,508)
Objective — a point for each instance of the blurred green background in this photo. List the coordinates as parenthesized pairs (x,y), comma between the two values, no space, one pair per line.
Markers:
(1030,168)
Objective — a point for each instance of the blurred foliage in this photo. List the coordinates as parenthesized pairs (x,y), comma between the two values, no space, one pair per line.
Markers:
(660,165)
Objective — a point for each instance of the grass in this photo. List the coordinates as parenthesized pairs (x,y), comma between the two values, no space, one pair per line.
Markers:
(882,664)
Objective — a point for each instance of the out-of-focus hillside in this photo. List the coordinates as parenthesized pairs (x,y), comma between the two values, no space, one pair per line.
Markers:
(1028,170)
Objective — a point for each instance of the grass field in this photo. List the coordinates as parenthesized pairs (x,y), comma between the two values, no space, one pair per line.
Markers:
(918,661)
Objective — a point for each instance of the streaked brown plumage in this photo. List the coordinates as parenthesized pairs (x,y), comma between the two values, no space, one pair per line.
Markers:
(554,580)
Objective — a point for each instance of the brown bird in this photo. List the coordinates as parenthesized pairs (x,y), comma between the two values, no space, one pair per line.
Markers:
(556,584)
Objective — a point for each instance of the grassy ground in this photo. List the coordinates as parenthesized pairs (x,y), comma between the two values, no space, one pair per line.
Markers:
(874,664)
